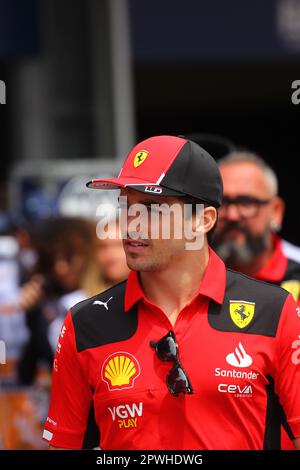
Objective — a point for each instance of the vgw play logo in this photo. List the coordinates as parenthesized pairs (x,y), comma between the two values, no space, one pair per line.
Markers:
(2,92)
(128,414)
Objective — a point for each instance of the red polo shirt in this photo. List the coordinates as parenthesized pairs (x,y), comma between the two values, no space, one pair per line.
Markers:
(275,269)
(127,382)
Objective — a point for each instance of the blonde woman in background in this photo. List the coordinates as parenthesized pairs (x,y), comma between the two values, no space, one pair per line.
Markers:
(108,266)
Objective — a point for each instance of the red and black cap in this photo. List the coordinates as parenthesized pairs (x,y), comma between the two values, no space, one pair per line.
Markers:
(168,166)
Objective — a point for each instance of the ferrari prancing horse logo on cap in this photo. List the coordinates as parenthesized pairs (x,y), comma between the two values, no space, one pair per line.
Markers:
(140,158)
(241,312)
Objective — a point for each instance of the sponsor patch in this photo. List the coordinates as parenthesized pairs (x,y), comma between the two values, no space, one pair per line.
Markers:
(120,370)
(241,312)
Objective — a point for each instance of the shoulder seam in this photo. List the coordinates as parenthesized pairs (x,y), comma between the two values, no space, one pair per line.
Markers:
(88,301)
(258,281)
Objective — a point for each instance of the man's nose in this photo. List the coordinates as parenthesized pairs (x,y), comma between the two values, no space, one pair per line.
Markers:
(232,212)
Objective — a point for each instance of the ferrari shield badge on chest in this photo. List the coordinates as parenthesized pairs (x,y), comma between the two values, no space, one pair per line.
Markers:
(241,312)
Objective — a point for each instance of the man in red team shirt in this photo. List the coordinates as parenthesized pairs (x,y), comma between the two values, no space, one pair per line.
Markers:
(249,219)
(251,214)
(185,354)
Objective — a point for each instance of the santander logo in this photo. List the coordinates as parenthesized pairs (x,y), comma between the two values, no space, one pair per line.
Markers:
(239,358)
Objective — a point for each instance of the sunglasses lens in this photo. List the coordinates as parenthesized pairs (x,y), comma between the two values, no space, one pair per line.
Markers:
(166,348)
(178,382)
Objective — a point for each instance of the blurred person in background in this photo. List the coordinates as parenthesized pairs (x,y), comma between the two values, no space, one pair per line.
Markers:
(44,271)
(13,329)
(251,215)
(64,247)
(109,264)
(72,264)
(27,256)
(220,147)
(20,417)
(250,218)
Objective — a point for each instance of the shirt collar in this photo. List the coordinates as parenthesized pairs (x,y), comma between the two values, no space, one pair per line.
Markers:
(212,285)
(214,280)
(133,291)
(274,270)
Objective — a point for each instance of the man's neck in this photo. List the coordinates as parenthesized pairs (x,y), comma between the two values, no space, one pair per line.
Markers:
(172,288)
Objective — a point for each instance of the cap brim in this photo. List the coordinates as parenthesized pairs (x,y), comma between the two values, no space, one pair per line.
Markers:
(133,183)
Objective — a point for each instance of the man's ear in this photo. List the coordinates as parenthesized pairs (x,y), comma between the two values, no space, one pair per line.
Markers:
(205,220)
(278,209)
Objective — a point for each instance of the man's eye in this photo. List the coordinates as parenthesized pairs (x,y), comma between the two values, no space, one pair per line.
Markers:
(246,203)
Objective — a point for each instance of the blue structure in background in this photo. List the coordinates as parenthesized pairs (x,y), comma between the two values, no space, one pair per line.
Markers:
(209,30)
(19,29)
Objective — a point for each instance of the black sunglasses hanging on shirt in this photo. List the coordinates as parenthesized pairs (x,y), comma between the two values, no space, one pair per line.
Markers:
(177,380)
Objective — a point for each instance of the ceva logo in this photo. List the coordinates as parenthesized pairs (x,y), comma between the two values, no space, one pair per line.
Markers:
(236,390)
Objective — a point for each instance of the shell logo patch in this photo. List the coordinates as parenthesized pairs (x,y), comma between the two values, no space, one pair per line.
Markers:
(140,157)
(241,312)
(120,370)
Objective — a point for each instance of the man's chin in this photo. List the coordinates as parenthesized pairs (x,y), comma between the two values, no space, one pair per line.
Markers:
(134,263)
(140,265)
